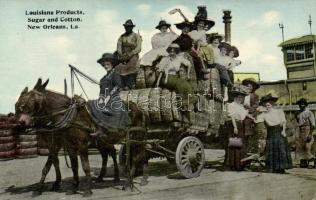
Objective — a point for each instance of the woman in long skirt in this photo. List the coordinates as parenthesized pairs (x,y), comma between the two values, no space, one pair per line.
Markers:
(278,156)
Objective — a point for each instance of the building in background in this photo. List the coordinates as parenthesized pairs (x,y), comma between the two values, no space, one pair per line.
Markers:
(299,60)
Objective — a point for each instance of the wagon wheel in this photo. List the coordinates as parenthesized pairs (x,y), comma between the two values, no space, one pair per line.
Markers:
(190,157)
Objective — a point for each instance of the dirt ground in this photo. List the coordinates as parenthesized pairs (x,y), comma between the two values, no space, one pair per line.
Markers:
(18,178)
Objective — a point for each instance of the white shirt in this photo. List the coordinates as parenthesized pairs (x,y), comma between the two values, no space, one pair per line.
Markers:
(233,63)
(236,111)
(172,65)
(199,36)
(305,117)
(163,40)
(223,60)
(273,117)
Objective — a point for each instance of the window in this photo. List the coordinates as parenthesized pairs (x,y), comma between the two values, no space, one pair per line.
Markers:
(309,51)
(290,54)
(299,52)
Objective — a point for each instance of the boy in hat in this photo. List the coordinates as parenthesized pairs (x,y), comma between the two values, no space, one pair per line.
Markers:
(306,121)
(213,40)
(160,42)
(128,48)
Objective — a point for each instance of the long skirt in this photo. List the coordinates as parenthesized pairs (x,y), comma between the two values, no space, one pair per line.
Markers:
(233,155)
(278,156)
(304,143)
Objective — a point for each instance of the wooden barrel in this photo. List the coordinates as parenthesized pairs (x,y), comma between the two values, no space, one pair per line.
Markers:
(27,145)
(215,84)
(7,139)
(154,105)
(165,106)
(140,79)
(150,76)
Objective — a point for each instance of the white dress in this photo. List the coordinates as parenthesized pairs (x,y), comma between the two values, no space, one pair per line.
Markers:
(159,42)
(172,65)
(199,36)
(237,111)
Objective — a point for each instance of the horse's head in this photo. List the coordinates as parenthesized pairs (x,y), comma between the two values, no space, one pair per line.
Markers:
(30,103)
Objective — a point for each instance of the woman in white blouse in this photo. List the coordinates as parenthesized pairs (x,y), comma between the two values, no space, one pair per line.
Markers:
(160,42)
(236,149)
(278,157)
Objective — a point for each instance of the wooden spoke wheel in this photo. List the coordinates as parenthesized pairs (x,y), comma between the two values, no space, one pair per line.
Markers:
(190,157)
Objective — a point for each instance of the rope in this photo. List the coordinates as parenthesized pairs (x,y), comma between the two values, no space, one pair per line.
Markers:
(81,86)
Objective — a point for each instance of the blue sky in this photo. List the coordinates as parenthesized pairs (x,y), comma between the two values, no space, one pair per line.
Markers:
(26,55)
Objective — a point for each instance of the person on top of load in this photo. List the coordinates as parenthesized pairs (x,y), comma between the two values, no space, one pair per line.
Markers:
(185,43)
(128,48)
(202,24)
(169,77)
(160,42)
(306,122)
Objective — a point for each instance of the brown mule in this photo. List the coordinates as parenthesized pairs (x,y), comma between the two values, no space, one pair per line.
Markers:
(40,108)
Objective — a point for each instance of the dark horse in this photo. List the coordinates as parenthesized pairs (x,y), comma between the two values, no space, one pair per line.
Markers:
(40,108)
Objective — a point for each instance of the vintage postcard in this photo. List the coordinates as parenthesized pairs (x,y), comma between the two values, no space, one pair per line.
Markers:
(157,99)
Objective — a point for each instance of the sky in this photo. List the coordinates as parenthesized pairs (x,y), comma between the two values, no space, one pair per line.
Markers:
(26,55)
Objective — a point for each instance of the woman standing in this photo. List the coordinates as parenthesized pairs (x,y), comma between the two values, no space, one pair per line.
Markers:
(160,42)
(278,157)
(235,146)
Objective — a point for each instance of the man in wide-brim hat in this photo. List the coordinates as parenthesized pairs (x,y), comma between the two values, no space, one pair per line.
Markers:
(128,48)
(268,98)
(251,83)
(306,122)
(162,23)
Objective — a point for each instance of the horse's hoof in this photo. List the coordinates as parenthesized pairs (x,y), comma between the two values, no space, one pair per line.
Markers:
(143,182)
(71,192)
(55,187)
(117,180)
(87,193)
(36,193)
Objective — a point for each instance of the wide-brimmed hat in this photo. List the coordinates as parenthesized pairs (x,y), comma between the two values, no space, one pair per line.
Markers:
(236,52)
(224,45)
(202,16)
(162,23)
(129,22)
(184,24)
(173,46)
(213,36)
(302,101)
(208,23)
(239,90)
(268,98)
(106,57)
(251,81)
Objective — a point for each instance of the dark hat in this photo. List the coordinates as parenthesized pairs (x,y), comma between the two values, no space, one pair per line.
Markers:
(202,16)
(236,52)
(302,101)
(239,90)
(106,57)
(184,24)
(162,23)
(268,98)
(173,46)
(129,22)
(208,23)
(213,36)
(251,81)
(224,45)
